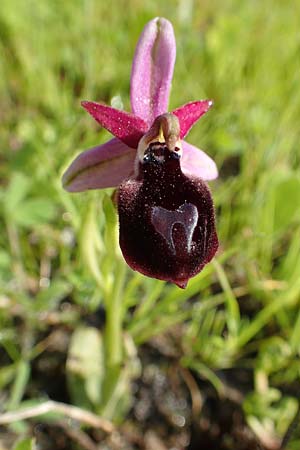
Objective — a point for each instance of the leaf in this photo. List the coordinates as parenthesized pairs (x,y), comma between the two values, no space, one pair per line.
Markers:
(5,260)
(287,201)
(274,355)
(25,444)
(16,192)
(47,299)
(34,211)
(280,193)
(85,363)
(20,383)
(7,374)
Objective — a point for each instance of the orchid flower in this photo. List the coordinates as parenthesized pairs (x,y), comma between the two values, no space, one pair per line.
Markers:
(166,213)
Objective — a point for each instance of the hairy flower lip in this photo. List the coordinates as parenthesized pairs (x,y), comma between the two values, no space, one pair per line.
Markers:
(146,244)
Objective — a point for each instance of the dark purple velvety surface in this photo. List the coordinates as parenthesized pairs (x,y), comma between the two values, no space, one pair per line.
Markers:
(167,225)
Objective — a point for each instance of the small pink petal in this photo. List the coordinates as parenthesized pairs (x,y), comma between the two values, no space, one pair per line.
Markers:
(100,167)
(195,162)
(189,114)
(152,70)
(125,126)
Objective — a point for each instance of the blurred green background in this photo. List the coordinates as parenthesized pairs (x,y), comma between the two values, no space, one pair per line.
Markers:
(59,269)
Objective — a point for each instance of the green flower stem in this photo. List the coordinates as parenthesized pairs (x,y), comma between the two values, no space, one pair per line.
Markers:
(113,339)
(114,317)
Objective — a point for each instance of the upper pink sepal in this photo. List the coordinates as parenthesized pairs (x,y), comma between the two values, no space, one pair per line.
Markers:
(100,167)
(123,125)
(152,70)
(196,163)
(189,114)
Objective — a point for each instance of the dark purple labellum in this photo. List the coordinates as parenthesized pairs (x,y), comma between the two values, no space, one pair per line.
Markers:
(167,225)
(165,221)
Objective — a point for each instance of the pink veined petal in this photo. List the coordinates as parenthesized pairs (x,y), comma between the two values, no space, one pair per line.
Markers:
(123,125)
(100,167)
(197,163)
(152,70)
(189,114)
